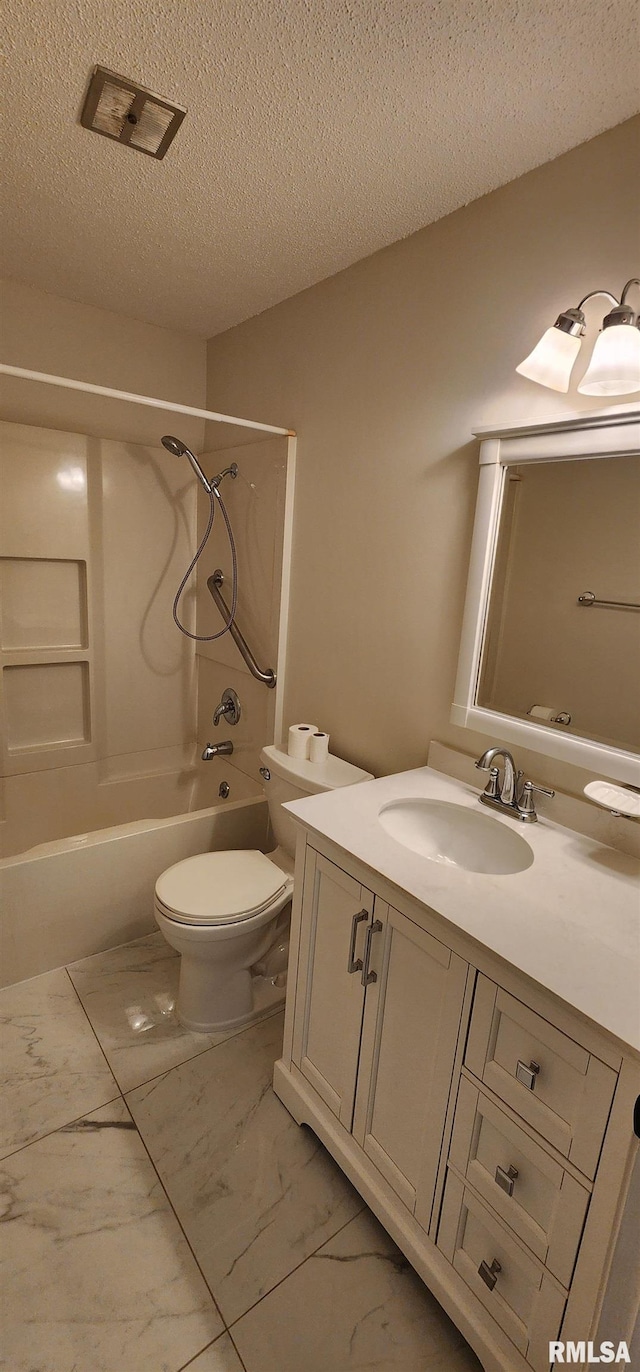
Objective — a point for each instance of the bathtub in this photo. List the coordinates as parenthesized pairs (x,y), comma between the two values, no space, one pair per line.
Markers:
(66,899)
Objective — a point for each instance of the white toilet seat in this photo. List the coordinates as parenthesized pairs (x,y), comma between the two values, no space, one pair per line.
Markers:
(216,890)
(227,913)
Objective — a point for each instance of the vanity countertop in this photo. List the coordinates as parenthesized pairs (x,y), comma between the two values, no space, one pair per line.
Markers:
(571,920)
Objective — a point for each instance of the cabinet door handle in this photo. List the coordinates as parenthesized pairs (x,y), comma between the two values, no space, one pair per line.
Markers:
(367,976)
(526,1073)
(354,964)
(506,1179)
(489,1274)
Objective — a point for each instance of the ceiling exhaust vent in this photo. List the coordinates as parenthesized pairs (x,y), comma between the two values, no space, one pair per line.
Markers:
(118,108)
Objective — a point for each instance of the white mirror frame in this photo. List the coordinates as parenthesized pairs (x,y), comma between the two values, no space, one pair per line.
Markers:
(610,433)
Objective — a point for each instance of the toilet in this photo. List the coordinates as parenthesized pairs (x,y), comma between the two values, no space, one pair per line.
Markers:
(227,913)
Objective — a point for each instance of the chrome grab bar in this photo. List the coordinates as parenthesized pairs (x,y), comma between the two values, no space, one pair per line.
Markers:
(214,583)
(588,598)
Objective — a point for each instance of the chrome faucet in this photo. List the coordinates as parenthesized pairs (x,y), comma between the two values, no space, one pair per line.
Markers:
(217,750)
(509,794)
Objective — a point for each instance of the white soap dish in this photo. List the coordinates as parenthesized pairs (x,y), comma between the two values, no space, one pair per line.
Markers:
(620,800)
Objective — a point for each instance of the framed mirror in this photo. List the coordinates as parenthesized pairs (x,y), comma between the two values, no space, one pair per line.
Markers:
(550,647)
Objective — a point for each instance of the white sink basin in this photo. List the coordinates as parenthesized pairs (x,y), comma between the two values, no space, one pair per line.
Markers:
(455,835)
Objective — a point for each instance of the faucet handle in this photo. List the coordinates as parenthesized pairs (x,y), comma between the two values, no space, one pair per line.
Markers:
(229,708)
(492,788)
(526,804)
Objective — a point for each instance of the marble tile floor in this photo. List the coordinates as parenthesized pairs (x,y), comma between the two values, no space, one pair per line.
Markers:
(164,1212)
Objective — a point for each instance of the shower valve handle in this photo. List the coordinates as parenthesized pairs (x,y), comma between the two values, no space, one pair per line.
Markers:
(229,708)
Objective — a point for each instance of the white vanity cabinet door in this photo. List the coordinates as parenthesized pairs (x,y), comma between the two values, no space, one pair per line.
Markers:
(409,1037)
(336,912)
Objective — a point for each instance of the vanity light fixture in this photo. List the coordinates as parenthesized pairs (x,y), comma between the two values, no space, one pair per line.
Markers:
(614,368)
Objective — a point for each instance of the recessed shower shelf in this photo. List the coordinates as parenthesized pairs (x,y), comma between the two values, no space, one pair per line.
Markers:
(44,604)
(47,705)
(45,661)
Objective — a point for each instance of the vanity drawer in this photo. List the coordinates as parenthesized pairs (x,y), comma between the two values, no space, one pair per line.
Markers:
(520,1295)
(561,1089)
(528,1189)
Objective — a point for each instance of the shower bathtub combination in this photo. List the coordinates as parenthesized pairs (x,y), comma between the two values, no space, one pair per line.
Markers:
(66,894)
(64,900)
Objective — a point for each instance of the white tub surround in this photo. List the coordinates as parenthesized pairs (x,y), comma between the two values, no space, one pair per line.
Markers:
(66,900)
(466,1045)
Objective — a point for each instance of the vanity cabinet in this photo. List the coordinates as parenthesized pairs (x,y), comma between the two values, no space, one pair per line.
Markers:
(516,1291)
(560,1089)
(377,1021)
(330,998)
(410,1033)
(523,1184)
(487,1125)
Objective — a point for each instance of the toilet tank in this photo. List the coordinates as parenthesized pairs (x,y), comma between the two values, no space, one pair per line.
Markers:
(291,778)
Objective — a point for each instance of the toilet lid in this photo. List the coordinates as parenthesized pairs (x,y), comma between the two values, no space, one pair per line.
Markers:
(220,888)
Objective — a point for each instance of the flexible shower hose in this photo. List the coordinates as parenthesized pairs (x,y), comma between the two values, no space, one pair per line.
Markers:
(208,638)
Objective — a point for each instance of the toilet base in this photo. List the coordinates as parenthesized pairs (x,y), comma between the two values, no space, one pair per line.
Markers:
(266,998)
(230,973)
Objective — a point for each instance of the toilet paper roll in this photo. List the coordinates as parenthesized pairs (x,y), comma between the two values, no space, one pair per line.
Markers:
(299,740)
(319,747)
(541,711)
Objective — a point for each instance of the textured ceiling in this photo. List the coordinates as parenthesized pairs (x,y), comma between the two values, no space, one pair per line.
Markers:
(317,131)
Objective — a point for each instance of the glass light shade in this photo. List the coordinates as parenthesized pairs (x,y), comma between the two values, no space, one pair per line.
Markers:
(614,368)
(552,359)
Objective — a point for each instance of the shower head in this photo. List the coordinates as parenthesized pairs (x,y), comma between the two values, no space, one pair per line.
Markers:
(173,445)
(180,449)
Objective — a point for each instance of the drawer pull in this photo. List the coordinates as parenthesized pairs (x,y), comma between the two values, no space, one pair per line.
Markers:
(489,1274)
(526,1073)
(506,1179)
(367,976)
(354,964)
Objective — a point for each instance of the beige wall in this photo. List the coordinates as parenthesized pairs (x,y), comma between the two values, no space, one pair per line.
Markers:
(384,370)
(46,333)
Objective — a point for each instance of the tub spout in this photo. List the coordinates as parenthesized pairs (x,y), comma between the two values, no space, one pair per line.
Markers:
(217,750)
